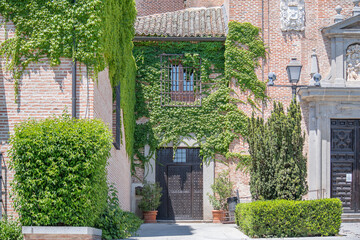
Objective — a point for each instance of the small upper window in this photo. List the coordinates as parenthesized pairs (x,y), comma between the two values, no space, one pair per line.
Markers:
(180,80)
(180,156)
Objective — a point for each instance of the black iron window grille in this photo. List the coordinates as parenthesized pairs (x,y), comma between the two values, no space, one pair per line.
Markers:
(180,80)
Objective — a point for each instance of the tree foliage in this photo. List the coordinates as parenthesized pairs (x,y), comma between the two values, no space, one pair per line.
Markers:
(222,189)
(278,166)
(151,195)
(60,171)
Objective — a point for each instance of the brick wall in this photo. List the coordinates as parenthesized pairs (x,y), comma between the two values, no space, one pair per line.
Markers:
(46,91)
(149,7)
(282,46)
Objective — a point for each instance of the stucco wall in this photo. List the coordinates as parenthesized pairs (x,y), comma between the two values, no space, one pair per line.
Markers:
(119,164)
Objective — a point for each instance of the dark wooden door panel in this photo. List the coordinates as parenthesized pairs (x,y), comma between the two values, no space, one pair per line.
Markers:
(179,192)
(340,187)
(345,163)
(182,184)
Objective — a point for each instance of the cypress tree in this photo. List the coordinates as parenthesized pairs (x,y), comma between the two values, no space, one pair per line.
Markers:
(278,167)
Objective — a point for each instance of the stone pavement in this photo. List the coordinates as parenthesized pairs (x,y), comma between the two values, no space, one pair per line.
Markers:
(209,231)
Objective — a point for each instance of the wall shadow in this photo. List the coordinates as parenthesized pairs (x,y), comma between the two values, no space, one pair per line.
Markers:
(164,230)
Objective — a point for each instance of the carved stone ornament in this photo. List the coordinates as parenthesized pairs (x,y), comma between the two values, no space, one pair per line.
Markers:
(353,63)
(292,15)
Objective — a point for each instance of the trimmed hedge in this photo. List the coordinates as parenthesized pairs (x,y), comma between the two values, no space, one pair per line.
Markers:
(60,171)
(288,218)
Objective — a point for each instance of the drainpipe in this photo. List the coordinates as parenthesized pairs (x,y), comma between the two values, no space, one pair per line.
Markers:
(73,112)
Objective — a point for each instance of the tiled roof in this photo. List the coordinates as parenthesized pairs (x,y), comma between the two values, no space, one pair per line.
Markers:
(191,22)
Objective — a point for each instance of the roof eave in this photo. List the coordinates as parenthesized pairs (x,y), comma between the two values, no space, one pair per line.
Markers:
(180,39)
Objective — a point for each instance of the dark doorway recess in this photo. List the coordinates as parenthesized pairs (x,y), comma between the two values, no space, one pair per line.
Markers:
(182,181)
(345,163)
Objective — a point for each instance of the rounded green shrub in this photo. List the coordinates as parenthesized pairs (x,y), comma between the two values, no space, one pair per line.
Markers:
(60,171)
(116,223)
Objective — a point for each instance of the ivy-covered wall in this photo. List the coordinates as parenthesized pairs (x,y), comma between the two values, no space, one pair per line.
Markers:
(219,120)
(97,33)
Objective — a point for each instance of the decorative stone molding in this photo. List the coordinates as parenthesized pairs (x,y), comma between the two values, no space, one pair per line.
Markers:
(68,233)
(338,17)
(353,62)
(292,15)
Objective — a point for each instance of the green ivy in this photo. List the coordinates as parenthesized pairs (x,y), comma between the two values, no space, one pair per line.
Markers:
(218,121)
(244,49)
(103,30)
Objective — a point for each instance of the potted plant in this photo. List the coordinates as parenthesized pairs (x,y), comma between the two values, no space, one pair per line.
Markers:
(222,189)
(151,194)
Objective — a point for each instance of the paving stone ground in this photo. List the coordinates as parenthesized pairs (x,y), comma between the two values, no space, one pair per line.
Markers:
(209,231)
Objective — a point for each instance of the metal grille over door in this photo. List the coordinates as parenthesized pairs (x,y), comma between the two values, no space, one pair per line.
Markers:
(182,181)
(345,163)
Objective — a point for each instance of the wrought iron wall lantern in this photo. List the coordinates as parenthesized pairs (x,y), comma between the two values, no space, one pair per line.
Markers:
(293,70)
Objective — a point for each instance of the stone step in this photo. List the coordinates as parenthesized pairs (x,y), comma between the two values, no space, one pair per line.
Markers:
(184,221)
(350,220)
(350,217)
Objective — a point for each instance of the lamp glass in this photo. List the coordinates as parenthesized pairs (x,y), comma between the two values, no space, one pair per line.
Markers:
(294,71)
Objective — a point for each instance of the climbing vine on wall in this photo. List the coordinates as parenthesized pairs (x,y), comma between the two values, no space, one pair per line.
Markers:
(103,32)
(218,121)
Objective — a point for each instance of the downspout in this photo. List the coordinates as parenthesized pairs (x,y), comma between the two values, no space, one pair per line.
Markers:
(73,112)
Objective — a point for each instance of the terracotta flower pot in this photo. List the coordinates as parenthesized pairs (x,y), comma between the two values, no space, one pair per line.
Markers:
(150,216)
(218,216)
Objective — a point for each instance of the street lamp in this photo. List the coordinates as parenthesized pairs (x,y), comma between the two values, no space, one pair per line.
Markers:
(293,70)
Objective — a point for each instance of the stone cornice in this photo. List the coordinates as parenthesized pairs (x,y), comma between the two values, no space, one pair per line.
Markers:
(314,94)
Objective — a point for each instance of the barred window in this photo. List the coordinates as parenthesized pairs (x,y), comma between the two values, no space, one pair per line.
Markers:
(180,80)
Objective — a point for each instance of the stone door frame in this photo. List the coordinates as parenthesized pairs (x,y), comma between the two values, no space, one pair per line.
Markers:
(324,104)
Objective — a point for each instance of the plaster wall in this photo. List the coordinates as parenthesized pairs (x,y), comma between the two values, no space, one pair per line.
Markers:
(119,164)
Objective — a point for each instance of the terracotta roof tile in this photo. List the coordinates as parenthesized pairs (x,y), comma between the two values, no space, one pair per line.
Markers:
(191,22)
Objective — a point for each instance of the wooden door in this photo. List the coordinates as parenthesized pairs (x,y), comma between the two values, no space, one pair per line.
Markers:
(345,163)
(182,181)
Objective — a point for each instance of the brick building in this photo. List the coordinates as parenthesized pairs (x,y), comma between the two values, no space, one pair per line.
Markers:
(324,36)
(46,91)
